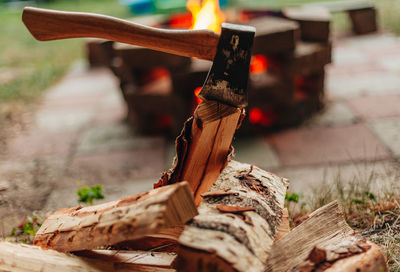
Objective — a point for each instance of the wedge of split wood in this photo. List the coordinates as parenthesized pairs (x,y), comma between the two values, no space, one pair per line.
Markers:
(126,219)
(324,242)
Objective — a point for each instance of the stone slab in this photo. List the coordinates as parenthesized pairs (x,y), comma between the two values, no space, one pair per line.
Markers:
(322,145)
(34,144)
(67,197)
(334,114)
(388,130)
(60,120)
(116,137)
(375,107)
(355,84)
(142,163)
(255,151)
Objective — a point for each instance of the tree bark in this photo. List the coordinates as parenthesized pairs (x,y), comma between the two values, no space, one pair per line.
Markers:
(125,219)
(26,258)
(237,222)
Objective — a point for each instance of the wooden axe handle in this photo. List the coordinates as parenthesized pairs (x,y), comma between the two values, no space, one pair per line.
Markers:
(46,25)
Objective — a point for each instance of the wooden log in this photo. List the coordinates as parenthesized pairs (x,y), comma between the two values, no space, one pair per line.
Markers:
(26,258)
(284,227)
(203,147)
(110,223)
(353,253)
(324,232)
(308,58)
(314,22)
(237,222)
(363,20)
(98,52)
(274,35)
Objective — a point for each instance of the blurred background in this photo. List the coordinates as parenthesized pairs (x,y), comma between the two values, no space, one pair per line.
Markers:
(324,107)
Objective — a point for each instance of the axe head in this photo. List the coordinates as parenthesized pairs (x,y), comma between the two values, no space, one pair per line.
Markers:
(227,79)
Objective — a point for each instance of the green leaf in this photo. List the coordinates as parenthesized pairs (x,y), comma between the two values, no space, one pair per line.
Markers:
(13,231)
(28,228)
(87,195)
(292,197)
(357,201)
(370,195)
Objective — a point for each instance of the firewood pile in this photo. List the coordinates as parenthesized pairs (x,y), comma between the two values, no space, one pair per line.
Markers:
(286,83)
(207,213)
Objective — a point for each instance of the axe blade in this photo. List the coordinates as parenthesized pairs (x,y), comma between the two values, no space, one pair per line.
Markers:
(227,79)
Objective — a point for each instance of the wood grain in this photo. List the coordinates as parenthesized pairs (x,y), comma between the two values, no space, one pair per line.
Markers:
(47,25)
(26,258)
(326,231)
(212,132)
(113,222)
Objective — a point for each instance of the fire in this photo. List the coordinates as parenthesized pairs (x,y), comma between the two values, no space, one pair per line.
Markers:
(206,15)
(258,64)
(196,95)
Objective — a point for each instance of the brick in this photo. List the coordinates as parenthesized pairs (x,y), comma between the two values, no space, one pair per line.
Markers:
(356,84)
(38,144)
(388,131)
(375,107)
(321,145)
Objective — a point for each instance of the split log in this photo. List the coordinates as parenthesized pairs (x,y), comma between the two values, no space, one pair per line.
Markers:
(314,22)
(274,35)
(110,223)
(308,58)
(237,222)
(203,147)
(284,227)
(26,258)
(363,20)
(324,242)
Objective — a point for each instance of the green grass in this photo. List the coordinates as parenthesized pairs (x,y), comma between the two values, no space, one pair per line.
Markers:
(373,213)
(36,65)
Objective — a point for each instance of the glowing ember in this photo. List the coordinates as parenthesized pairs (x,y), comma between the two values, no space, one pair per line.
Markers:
(258,64)
(196,93)
(264,117)
(206,15)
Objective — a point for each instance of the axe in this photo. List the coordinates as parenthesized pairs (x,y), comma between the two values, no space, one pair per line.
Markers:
(205,142)
(227,79)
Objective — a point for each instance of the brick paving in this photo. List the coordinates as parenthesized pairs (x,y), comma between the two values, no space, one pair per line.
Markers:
(78,136)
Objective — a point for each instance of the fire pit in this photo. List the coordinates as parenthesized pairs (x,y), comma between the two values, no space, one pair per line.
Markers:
(286,83)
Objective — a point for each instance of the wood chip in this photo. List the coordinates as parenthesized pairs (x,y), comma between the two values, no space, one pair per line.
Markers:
(234,209)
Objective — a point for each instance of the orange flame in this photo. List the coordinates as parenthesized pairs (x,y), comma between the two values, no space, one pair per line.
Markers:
(258,64)
(196,94)
(206,15)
